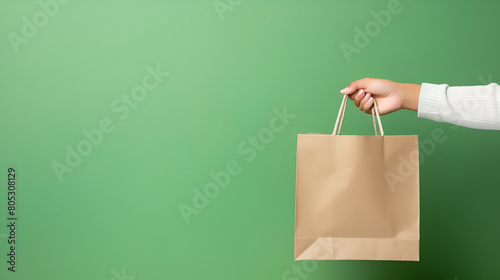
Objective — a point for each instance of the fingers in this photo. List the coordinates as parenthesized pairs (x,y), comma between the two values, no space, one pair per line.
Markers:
(356,85)
(357,97)
(356,91)
(363,101)
(367,106)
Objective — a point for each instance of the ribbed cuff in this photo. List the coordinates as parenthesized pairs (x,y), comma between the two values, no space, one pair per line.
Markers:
(432,102)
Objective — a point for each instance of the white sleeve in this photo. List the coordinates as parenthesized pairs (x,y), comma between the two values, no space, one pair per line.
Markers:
(469,106)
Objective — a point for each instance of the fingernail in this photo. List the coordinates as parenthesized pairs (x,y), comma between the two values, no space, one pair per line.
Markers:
(344,90)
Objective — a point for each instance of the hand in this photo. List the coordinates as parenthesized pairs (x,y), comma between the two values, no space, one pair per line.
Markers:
(390,96)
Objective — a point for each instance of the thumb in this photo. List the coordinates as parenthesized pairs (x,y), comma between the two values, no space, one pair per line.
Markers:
(356,85)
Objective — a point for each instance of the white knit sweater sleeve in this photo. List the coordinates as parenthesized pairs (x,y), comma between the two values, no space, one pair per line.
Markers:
(469,106)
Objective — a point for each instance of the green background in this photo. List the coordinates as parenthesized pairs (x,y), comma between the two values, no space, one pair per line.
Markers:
(119,207)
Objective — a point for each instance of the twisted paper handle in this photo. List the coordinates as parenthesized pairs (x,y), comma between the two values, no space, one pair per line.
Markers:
(340,118)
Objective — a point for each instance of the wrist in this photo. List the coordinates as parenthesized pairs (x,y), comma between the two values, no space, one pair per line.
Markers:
(411,94)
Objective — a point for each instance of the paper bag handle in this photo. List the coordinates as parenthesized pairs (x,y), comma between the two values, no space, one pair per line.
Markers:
(340,118)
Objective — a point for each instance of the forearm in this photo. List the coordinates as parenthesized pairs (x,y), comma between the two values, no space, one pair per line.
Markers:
(411,96)
(469,106)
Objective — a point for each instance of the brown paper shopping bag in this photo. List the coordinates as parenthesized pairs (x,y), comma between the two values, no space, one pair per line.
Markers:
(357,197)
